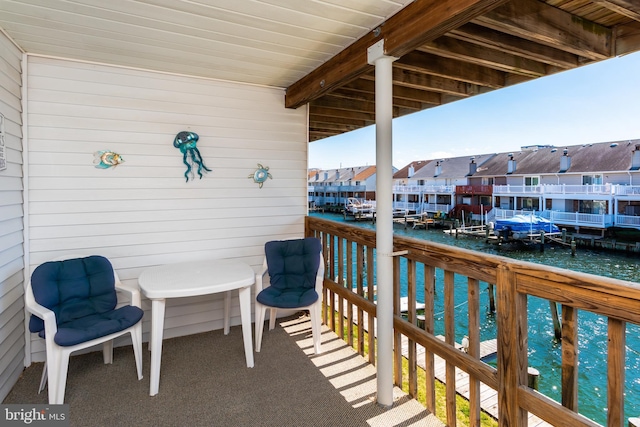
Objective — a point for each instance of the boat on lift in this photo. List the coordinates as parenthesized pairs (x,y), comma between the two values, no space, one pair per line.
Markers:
(524,227)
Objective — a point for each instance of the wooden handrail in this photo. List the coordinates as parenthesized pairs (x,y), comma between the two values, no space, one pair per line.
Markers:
(514,282)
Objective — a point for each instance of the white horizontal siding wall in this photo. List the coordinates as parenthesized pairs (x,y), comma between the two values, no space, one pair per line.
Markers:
(12,330)
(142,213)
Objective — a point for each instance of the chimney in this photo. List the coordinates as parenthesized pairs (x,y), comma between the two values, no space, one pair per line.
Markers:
(326,175)
(438,168)
(317,175)
(337,174)
(411,171)
(635,160)
(473,166)
(511,165)
(565,161)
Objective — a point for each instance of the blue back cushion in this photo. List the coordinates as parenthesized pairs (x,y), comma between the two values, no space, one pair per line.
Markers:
(292,265)
(73,289)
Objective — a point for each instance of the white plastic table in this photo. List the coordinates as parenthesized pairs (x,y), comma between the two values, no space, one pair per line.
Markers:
(190,279)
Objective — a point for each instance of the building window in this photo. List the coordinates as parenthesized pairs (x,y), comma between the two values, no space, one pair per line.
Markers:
(487,181)
(531,180)
(592,179)
(598,207)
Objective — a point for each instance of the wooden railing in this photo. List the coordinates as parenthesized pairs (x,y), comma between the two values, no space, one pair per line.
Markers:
(349,255)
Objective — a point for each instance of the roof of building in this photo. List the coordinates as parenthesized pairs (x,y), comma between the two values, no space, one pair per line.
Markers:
(355,173)
(404,172)
(454,167)
(585,158)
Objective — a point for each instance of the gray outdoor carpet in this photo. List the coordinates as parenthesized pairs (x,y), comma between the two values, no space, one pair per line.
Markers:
(204,381)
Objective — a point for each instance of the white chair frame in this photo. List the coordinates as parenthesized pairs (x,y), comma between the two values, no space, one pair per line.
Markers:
(57,362)
(314,309)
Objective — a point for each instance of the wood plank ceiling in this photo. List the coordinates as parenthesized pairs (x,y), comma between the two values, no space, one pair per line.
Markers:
(514,42)
(448,49)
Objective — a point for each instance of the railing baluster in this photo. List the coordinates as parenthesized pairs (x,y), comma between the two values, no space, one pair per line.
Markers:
(429,362)
(349,285)
(360,291)
(332,276)
(450,338)
(340,281)
(411,317)
(616,350)
(371,295)
(326,314)
(473,298)
(397,337)
(512,333)
(569,329)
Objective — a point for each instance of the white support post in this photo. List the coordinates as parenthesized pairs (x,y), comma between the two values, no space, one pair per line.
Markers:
(384,222)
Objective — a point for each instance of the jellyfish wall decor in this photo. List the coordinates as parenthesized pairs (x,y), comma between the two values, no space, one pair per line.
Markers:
(186,142)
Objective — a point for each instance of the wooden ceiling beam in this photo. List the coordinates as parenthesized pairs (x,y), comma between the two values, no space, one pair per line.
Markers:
(369,97)
(321,110)
(442,85)
(413,94)
(498,60)
(320,119)
(507,43)
(627,38)
(629,8)
(331,127)
(537,21)
(452,68)
(414,25)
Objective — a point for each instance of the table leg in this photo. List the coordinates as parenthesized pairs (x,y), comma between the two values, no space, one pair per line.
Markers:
(157,329)
(245,315)
(227,311)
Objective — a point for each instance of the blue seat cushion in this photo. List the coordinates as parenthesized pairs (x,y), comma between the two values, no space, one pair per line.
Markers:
(81,293)
(293,266)
(96,325)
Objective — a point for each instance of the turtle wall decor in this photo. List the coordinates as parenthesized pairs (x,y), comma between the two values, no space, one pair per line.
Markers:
(260,175)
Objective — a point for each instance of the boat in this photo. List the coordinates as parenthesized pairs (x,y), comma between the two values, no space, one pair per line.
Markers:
(354,206)
(524,227)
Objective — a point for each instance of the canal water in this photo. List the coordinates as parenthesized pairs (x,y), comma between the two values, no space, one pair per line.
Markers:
(544,350)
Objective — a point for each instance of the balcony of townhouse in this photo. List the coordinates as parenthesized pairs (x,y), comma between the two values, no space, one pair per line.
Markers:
(470,209)
(517,190)
(439,189)
(627,191)
(627,203)
(474,190)
(428,330)
(406,206)
(627,221)
(435,208)
(579,219)
(408,189)
(570,190)
(341,188)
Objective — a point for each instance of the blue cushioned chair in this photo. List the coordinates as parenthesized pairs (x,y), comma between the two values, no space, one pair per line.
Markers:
(73,306)
(296,274)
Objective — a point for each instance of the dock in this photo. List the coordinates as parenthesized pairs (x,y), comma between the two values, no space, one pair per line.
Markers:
(489,396)
(414,220)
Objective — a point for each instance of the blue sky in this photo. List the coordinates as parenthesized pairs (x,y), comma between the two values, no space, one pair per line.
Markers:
(594,103)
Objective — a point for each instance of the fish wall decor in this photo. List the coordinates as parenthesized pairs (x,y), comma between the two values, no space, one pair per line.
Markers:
(106,159)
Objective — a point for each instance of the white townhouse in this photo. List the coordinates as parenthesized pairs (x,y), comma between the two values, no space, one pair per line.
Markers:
(336,186)
(433,187)
(588,185)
